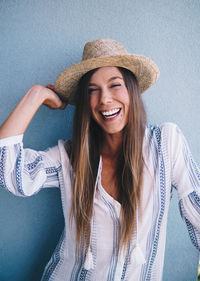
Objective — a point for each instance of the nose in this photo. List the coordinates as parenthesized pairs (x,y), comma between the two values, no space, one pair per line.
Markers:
(105,96)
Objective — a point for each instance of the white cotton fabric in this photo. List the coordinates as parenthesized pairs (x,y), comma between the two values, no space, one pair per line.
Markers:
(168,163)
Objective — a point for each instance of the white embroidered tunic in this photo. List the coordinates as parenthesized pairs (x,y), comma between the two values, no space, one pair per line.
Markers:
(168,164)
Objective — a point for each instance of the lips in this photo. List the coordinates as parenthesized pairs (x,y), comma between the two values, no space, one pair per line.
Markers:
(108,114)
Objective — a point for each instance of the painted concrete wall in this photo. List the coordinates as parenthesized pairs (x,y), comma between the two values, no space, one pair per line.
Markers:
(39,39)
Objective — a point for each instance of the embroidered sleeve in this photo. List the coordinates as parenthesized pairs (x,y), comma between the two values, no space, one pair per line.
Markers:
(25,171)
(186,179)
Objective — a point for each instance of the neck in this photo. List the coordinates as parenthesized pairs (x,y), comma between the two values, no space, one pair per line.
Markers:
(112,145)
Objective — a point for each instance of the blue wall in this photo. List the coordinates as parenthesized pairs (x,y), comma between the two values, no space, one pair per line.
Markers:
(39,39)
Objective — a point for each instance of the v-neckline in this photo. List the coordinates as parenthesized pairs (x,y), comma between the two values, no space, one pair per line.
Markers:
(111,199)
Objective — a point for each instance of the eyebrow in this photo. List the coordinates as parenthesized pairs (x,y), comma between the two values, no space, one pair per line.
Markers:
(115,77)
(109,80)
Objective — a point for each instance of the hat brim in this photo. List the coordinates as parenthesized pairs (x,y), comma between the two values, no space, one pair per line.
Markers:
(145,70)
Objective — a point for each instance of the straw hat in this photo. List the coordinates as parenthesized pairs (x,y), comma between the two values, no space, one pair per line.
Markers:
(105,52)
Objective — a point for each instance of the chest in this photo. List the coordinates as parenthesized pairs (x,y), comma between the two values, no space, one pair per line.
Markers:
(109,180)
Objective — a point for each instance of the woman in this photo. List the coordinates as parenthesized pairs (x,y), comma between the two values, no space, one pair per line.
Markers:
(115,176)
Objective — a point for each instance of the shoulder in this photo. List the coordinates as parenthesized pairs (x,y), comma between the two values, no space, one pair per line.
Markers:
(162,141)
(163,131)
(165,137)
(163,127)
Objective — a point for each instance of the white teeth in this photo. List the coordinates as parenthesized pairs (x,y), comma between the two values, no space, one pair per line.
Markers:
(110,112)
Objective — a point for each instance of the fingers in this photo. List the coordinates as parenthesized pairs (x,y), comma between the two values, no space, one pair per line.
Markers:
(55,104)
(63,106)
(51,87)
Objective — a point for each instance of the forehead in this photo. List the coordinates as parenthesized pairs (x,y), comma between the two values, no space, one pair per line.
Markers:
(105,73)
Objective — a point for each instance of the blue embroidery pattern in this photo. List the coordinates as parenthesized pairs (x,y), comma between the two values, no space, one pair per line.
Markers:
(32,165)
(54,260)
(162,204)
(116,226)
(192,234)
(77,265)
(19,170)
(126,263)
(195,201)
(191,229)
(83,274)
(2,153)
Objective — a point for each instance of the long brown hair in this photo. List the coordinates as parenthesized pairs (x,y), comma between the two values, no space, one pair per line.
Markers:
(85,155)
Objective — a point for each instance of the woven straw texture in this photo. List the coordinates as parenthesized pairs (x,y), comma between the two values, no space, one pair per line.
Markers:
(105,52)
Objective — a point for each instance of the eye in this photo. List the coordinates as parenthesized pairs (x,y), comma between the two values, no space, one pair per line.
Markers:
(115,85)
(91,90)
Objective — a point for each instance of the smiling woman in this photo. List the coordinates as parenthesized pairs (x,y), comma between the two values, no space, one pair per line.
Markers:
(109,136)
(115,176)
(109,99)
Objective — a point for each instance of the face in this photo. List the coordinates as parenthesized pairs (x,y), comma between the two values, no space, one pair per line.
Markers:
(109,99)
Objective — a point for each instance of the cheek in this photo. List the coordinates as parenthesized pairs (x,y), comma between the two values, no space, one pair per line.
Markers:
(92,103)
(123,94)
(125,99)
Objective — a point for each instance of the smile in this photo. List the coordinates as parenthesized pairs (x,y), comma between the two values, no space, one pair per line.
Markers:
(110,113)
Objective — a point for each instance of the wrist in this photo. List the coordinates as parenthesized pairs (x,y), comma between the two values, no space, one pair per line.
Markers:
(37,94)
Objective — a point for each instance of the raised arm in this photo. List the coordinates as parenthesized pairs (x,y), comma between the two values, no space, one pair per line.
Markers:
(20,117)
(25,171)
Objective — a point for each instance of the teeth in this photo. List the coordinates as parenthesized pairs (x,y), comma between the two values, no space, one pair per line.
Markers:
(110,112)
